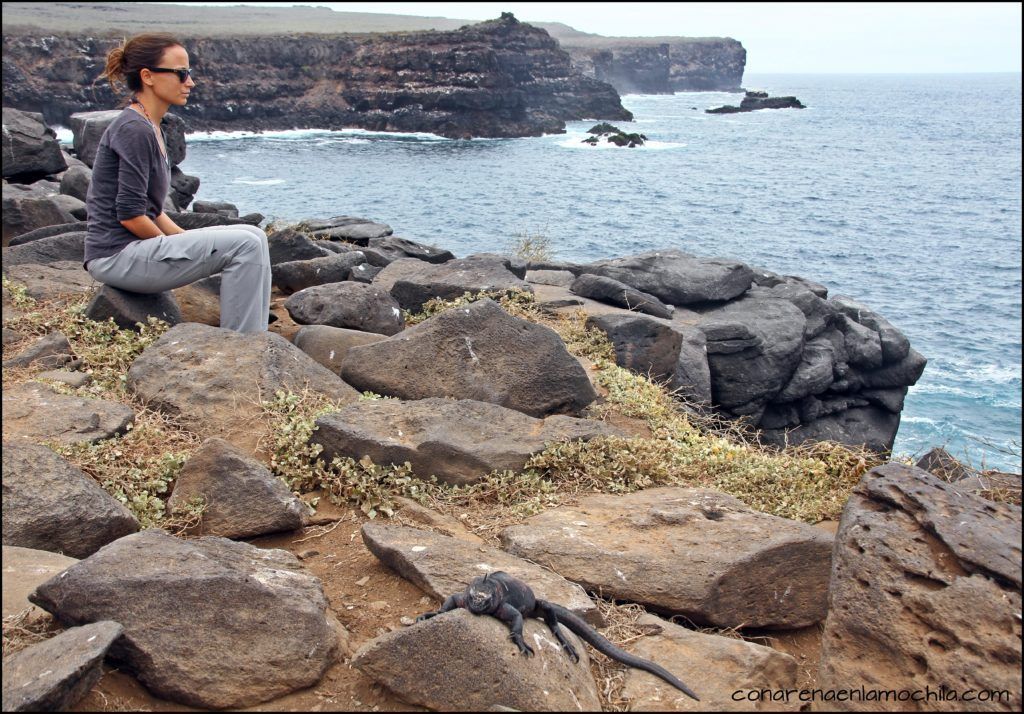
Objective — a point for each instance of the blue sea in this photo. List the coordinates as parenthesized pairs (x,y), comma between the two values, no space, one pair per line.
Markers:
(902,192)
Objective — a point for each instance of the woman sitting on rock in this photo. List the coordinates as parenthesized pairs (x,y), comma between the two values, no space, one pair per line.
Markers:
(131,243)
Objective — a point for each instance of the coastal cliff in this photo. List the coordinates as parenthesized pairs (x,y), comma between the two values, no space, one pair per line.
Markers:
(660,65)
(500,78)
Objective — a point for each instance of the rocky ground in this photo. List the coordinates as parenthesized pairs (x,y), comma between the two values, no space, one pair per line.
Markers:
(220,520)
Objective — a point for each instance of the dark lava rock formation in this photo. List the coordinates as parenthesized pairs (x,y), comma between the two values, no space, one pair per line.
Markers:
(500,78)
(755,100)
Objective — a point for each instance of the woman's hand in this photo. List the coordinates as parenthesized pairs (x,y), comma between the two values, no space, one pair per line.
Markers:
(169,227)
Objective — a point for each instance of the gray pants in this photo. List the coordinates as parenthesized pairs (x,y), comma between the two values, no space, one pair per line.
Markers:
(155,265)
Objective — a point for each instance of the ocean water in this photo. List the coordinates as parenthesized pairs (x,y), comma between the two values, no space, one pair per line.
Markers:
(902,192)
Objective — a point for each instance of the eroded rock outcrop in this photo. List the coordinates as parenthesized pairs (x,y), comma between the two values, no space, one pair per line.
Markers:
(925,591)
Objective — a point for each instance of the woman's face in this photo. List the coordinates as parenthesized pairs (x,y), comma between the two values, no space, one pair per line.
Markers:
(167,85)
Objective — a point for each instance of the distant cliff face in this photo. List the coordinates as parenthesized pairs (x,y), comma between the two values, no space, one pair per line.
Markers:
(687,65)
(500,78)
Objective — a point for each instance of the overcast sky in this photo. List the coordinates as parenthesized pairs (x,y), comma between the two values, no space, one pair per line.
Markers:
(781,37)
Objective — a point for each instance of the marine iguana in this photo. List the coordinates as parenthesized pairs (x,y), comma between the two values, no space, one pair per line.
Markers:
(510,600)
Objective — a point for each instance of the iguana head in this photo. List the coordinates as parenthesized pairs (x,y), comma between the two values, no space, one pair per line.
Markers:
(484,595)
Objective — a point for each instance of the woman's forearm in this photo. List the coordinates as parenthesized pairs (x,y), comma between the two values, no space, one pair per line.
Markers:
(143,227)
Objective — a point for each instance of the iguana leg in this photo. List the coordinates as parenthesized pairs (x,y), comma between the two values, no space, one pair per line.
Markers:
(514,619)
(551,620)
(452,602)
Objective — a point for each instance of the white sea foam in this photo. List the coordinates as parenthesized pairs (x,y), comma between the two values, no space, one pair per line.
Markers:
(250,181)
(919,420)
(575,141)
(997,373)
(305,134)
(64,136)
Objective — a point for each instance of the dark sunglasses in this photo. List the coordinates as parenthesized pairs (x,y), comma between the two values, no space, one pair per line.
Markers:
(183,74)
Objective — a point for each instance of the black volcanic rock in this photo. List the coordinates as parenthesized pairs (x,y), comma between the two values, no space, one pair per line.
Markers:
(758,100)
(499,78)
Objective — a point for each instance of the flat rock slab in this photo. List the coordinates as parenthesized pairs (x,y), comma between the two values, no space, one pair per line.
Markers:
(693,552)
(35,412)
(46,282)
(925,590)
(677,278)
(441,566)
(458,441)
(354,305)
(477,352)
(50,504)
(213,378)
(210,622)
(715,667)
(241,497)
(23,570)
(413,282)
(54,675)
(462,662)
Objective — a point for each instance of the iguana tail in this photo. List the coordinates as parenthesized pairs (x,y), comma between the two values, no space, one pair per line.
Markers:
(602,645)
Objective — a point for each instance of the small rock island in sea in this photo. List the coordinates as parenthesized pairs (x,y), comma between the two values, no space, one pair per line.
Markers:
(754,100)
(613,135)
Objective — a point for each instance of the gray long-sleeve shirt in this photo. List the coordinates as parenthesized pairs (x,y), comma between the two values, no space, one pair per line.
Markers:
(130,178)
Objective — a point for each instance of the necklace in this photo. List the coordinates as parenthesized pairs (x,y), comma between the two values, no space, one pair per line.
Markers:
(156,129)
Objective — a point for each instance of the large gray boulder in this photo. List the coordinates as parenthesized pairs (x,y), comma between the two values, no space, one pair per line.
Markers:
(241,498)
(667,352)
(65,247)
(394,248)
(210,622)
(50,504)
(851,422)
(441,565)
(75,182)
(35,412)
(128,309)
(213,379)
(357,306)
(30,148)
(350,229)
(475,352)
(55,674)
(480,669)
(754,346)
(26,209)
(48,231)
(413,282)
(619,294)
(895,345)
(88,128)
(692,552)
(297,275)
(459,442)
(925,591)
(288,245)
(677,278)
